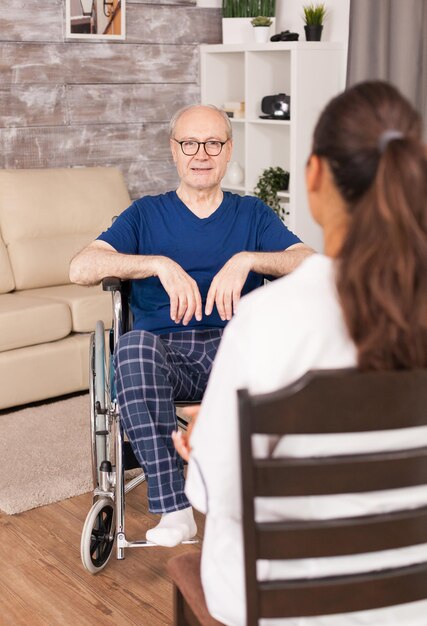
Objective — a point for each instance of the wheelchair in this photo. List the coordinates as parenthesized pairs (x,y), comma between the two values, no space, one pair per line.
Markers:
(111,453)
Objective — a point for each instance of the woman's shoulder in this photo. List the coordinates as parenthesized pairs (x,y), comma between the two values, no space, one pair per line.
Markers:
(315,277)
(299,305)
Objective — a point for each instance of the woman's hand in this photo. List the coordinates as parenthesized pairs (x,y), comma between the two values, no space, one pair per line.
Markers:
(181,440)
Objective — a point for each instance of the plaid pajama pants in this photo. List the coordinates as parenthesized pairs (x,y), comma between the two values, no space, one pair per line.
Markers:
(151,372)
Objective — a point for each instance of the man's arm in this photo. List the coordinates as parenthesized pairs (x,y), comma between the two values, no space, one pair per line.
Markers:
(227,285)
(99,260)
(278,263)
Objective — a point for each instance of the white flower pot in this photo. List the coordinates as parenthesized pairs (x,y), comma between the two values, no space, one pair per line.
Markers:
(239,29)
(261,33)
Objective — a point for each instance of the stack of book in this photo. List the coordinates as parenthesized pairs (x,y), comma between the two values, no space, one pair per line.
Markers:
(236,110)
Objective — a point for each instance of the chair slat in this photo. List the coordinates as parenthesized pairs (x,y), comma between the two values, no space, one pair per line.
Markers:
(343,594)
(338,537)
(334,475)
(356,402)
(334,401)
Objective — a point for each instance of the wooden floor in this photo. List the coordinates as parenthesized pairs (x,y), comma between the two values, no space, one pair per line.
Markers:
(43,583)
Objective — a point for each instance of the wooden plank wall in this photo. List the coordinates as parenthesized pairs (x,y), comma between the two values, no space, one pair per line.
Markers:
(81,103)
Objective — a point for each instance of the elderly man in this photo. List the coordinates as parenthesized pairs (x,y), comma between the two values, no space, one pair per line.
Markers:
(191,254)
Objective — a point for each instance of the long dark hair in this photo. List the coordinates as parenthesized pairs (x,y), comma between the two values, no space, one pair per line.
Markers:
(371,137)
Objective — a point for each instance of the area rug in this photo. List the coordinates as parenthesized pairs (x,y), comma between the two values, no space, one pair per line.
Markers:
(45,454)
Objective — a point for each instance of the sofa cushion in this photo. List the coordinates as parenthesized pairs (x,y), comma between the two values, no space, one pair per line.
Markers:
(48,215)
(44,371)
(27,321)
(6,277)
(87,304)
(51,258)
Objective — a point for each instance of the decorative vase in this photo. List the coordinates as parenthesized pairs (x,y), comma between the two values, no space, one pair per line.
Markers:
(261,33)
(313,32)
(235,173)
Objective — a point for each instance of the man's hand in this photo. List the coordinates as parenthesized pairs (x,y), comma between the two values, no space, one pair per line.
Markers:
(227,285)
(184,294)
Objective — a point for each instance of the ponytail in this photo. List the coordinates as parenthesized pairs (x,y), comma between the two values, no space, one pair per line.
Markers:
(370,136)
(382,271)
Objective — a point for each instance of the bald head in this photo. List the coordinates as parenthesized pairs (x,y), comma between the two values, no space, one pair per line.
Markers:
(199,108)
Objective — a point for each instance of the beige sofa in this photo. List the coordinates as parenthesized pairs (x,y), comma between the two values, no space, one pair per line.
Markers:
(46,216)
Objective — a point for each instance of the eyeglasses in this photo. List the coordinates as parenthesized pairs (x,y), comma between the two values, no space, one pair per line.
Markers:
(212,148)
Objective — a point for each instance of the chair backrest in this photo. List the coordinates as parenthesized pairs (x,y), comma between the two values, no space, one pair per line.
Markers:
(334,401)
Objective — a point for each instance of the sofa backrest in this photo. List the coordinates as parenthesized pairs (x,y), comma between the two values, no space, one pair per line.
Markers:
(48,215)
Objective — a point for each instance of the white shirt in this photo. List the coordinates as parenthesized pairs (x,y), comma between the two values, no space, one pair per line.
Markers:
(279,333)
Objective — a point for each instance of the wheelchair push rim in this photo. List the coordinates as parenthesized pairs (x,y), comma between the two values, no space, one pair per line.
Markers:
(99,401)
(98,536)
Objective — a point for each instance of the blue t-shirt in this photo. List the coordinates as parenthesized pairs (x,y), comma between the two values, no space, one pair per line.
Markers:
(163,225)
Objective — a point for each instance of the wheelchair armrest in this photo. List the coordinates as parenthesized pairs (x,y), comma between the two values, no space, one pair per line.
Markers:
(122,314)
(112,283)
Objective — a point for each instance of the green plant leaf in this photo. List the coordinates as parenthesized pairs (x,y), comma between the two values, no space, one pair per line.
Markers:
(314,14)
(248,8)
(272,180)
(261,20)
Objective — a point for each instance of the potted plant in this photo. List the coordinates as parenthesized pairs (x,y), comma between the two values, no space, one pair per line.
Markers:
(314,16)
(261,25)
(271,181)
(248,8)
(237,15)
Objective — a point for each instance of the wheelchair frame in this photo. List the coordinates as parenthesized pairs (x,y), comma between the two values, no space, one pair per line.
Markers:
(111,454)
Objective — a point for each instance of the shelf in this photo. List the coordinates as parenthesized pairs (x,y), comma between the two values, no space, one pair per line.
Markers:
(256,120)
(278,46)
(273,122)
(311,73)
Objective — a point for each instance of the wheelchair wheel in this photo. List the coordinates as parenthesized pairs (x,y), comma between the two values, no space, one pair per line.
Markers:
(99,400)
(98,536)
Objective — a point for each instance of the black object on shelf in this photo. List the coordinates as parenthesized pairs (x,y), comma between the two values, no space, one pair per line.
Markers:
(285,35)
(277,107)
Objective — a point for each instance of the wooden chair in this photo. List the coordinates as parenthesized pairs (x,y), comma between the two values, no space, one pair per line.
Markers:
(334,401)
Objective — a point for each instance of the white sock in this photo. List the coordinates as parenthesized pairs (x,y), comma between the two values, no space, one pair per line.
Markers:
(173,528)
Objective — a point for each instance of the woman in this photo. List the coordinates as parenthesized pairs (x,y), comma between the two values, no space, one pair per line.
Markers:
(364,303)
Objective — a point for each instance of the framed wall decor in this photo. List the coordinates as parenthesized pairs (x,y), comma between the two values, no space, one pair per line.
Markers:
(95,19)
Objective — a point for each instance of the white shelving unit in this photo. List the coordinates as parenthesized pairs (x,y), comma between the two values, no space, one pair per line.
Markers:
(311,73)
